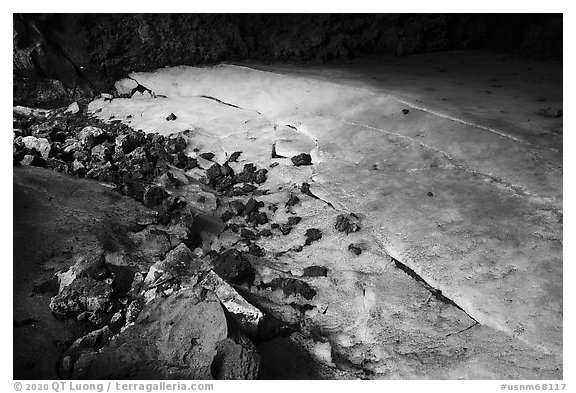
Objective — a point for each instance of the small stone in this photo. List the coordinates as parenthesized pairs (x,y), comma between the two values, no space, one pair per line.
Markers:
(129,142)
(72,108)
(137,283)
(294,220)
(101,153)
(265,233)
(234,156)
(305,189)
(312,235)
(258,218)
(154,196)
(285,229)
(430,193)
(248,188)
(78,168)
(343,224)
(117,322)
(226,216)
(251,206)
(302,159)
(315,271)
(33,161)
(293,200)
(174,145)
(261,176)
(133,311)
(213,172)
(247,234)
(180,160)
(207,156)
(405,111)
(355,249)
(84,294)
(171,117)
(42,145)
(226,170)
(236,207)
(249,168)
(254,249)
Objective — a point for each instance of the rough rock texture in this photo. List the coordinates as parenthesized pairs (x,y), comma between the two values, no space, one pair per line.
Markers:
(183,336)
(61,57)
(67,221)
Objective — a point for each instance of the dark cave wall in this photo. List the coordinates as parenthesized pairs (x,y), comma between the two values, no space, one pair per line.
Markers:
(58,58)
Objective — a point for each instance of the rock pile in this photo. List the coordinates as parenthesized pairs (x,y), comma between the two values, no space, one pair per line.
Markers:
(155,310)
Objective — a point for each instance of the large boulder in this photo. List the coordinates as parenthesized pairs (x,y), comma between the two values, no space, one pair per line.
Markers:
(183,336)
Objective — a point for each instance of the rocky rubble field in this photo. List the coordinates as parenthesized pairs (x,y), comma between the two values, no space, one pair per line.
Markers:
(158,301)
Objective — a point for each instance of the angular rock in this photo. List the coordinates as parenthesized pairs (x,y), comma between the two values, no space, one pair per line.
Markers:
(256,250)
(129,142)
(91,265)
(179,263)
(154,196)
(117,322)
(175,338)
(42,145)
(72,108)
(227,170)
(152,241)
(234,156)
(285,229)
(265,233)
(175,145)
(292,286)
(233,267)
(226,216)
(213,172)
(293,200)
(171,117)
(236,207)
(261,176)
(294,220)
(251,206)
(83,294)
(305,189)
(208,156)
(302,159)
(78,168)
(355,249)
(33,161)
(315,271)
(101,153)
(235,361)
(89,343)
(312,235)
(133,310)
(257,218)
(246,315)
(248,188)
(343,224)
